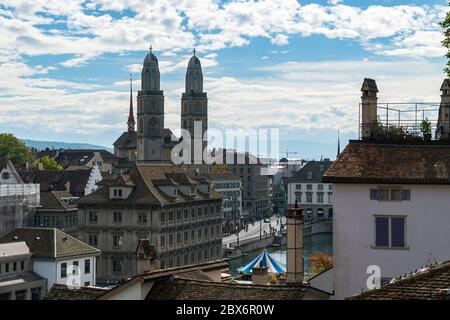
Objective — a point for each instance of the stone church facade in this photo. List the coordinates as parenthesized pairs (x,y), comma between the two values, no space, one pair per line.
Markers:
(151,142)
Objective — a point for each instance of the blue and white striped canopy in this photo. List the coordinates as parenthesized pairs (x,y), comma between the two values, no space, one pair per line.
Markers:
(264,259)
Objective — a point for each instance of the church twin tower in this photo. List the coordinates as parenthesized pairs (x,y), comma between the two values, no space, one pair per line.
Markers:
(152,142)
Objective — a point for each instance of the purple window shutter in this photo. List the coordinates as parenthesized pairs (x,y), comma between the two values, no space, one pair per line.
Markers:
(381,231)
(373,194)
(398,232)
(406,194)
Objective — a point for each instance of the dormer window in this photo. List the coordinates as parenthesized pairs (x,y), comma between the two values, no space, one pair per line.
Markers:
(192,190)
(309,175)
(117,193)
(175,192)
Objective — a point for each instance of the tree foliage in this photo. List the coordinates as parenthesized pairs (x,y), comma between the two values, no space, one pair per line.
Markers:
(445,25)
(321,262)
(14,149)
(50,163)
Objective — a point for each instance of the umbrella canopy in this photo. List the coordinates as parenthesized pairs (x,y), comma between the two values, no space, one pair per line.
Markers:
(264,259)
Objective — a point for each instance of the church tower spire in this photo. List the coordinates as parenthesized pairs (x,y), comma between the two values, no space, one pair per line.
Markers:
(194,106)
(131,123)
(150,113)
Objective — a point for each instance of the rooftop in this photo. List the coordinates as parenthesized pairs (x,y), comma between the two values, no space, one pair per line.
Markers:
(48,243)
(430,283)
(62,292)
(414,162)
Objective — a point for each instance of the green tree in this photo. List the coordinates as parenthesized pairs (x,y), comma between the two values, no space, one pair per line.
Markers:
(50,163)
(445,25)
(14,149)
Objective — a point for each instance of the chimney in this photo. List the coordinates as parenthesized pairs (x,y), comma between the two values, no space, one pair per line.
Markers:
(443,126)
(369,101)
(68,186)
(294,246)
(259,275)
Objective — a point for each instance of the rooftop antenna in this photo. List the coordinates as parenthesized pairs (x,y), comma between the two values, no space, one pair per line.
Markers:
(151,48)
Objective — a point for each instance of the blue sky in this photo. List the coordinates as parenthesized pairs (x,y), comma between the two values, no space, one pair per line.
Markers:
(292,65)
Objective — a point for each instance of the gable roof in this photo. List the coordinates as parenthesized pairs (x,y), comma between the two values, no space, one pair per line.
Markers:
(313,169)
(177,288)
(56,180)
(53,200)
(145,180)
(430,284)
(62,292)
(382,162)
(49,243)
(127,140)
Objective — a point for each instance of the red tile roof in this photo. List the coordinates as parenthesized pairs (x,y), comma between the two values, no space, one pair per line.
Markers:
(381,162)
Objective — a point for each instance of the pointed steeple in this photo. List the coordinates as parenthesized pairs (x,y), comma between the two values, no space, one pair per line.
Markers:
(131,122)
(338,146)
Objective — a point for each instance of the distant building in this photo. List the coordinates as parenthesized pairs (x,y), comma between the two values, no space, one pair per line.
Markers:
(309,191)
(77,182)
(18,200)
(18,281)
(172,207)
(56,256)
(230,186)
(74,159)
(390,204)
(55,210)
(256,183)
(280,172)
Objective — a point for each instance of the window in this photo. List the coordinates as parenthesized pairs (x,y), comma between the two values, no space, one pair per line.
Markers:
(309,175)
(178,238)
(309,187)
(14,266)
(390,232)
(87,283)
(22,265)
(63,270)
(36,293)
(320,187)
(309,197)
(7,267)
(93,239)
(199,212)
(319,197)
(142,218)
(93,217)
(87,266)
(117,193)
(163,241)
(298,187)
(117,217)
(186,234)
(117,266)
(170,240)
(162,216)
(21,295)
(118,241)
(298,197)
(386,194)
(330,187)
(330,197)
(178,215)
(5,175)
(186,214)
(75,267)
(192,214)
(170,215)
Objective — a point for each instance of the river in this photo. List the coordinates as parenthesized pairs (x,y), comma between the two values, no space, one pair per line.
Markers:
(312,245)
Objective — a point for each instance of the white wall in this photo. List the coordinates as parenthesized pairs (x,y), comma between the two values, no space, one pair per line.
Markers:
(427,233)
(292,189)
(94,178)
(52,271)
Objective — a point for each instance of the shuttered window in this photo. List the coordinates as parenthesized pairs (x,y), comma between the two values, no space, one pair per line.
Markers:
(381,231)
(397,232)
(390,232)
(384,194)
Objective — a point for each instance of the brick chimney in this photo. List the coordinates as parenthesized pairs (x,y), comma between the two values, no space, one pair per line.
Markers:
(295,271)
(369,102)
